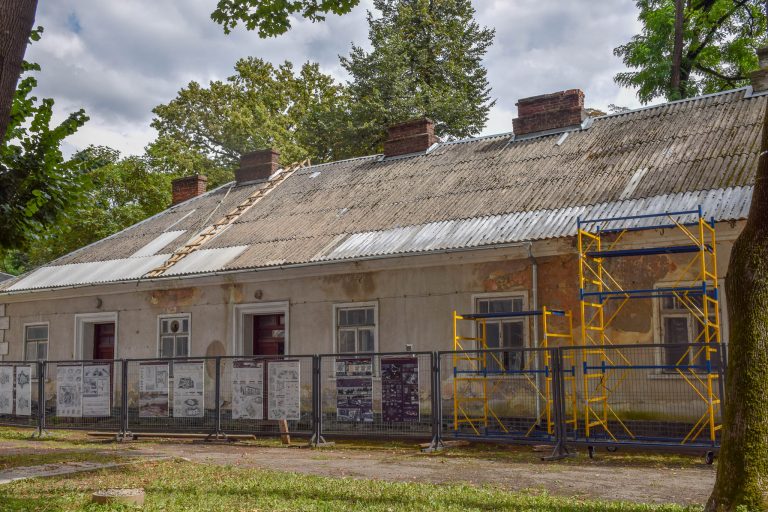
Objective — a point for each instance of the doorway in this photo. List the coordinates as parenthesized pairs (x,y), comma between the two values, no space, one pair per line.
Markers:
(262,329)
(269,335)
(104,341)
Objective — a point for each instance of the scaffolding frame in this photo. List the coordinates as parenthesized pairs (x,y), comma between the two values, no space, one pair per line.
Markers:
(480,356)
(597,242)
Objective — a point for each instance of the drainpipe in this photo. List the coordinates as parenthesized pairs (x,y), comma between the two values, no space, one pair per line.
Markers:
(534,307)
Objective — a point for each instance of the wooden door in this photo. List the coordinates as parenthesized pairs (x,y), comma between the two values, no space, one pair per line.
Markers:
(104,341)
(269,335)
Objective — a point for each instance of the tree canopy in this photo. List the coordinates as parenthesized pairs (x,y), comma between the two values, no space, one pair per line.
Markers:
(719,41)
(272,17)
(425,60)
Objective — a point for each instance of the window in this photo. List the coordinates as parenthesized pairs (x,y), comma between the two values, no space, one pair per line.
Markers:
(504,332)
(356,328)
(680,327)
(174,336)
(35,342)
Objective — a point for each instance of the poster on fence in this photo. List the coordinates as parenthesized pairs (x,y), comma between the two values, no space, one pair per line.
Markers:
(6,389)
(400,389)
(153,390)
(354,390)
(189,390)
(248,390)
(69,391)
(24,390)
(97,390)
(284,390)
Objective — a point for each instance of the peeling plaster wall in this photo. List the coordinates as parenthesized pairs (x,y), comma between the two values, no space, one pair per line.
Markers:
(414,303)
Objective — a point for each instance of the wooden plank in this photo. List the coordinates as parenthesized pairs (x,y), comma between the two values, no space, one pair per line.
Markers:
(285,438)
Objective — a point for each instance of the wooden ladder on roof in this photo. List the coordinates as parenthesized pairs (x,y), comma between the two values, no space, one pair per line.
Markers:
(216,228)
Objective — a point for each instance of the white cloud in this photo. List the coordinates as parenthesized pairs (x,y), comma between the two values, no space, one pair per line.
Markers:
(120,59)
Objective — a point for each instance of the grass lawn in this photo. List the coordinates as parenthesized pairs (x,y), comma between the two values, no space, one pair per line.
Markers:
(53,457)
(180,485)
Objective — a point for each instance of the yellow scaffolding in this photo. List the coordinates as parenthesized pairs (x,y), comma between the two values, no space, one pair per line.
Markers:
(597,242)
(475,386)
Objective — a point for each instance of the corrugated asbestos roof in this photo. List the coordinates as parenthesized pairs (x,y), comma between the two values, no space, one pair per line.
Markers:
(473,193)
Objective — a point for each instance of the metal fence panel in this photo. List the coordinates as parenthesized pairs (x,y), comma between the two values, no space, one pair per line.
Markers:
(248,399)
(83,394)
(19,393)
(383,395)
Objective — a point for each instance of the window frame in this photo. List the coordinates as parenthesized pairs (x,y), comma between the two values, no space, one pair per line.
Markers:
(524,320)
(47,340)
(337,328)
(160,318)
(660,313)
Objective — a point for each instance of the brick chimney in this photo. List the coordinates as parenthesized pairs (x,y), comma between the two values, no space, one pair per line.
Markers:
(257,166)
(546,112)
(414,136)
(188,187)
(759,78)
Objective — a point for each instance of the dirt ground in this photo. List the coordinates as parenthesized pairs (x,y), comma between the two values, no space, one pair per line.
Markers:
(608,477)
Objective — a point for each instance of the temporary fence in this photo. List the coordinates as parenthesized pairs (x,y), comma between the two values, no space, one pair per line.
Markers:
(640,395)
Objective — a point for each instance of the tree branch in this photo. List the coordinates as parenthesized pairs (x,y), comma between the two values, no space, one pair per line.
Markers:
(692,54)
(714,72)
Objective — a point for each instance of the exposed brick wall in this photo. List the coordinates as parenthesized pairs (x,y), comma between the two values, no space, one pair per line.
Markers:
(412,136)
(549,112)
(188,187)
(257,165)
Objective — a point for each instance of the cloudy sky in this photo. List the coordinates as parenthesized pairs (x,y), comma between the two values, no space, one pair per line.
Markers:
(118,59)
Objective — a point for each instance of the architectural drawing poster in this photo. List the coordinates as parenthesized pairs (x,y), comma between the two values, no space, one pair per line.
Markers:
(354,389)
(284,390)
(189,390)
(153,390)
(24,390)
(6,389)
(69,391)
(97,390)
(248,390)
(400,389)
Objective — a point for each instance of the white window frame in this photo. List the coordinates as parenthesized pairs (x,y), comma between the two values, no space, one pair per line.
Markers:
(658,327)
(84,319)
(48,341)
(355,305)
(525,320)
(239,313)
(160,318)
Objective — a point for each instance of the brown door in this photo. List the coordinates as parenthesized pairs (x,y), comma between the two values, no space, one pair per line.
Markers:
(269,335)
(104,341)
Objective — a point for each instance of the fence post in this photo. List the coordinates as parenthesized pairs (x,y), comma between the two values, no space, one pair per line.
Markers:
(437,416)
(41,367)
(217,396)
(124,432)
(558,405)
(317,438)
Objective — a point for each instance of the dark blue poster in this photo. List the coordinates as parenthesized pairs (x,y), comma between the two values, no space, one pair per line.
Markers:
(354,390)
(400,389)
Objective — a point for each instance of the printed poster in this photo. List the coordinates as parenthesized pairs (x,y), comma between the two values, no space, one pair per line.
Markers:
(284,390)
(153,390)
(354,390)
(97,390)
(400,389)
(188,390)
(6,389)
(69,391)
(248,390)
(24,390)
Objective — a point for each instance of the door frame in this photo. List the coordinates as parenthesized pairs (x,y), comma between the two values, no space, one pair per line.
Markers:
(260,308)
(83,320)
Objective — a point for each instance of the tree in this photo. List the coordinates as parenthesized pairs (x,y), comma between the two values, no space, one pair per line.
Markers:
(717,50)
(272,17)
(124,191)
(426,60)
(37,185)
(205,130)
(742,472)
(16,20)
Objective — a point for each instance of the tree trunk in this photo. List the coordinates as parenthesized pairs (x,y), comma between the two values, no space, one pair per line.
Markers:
(742,472)
(677,51)
(16,20)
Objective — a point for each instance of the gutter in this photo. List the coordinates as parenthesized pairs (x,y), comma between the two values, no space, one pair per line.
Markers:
(535,329)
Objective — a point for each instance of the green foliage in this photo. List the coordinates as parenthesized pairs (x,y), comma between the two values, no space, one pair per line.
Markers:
(205,130)
(720,39)
(272,17)
(38,186)
(426,60)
